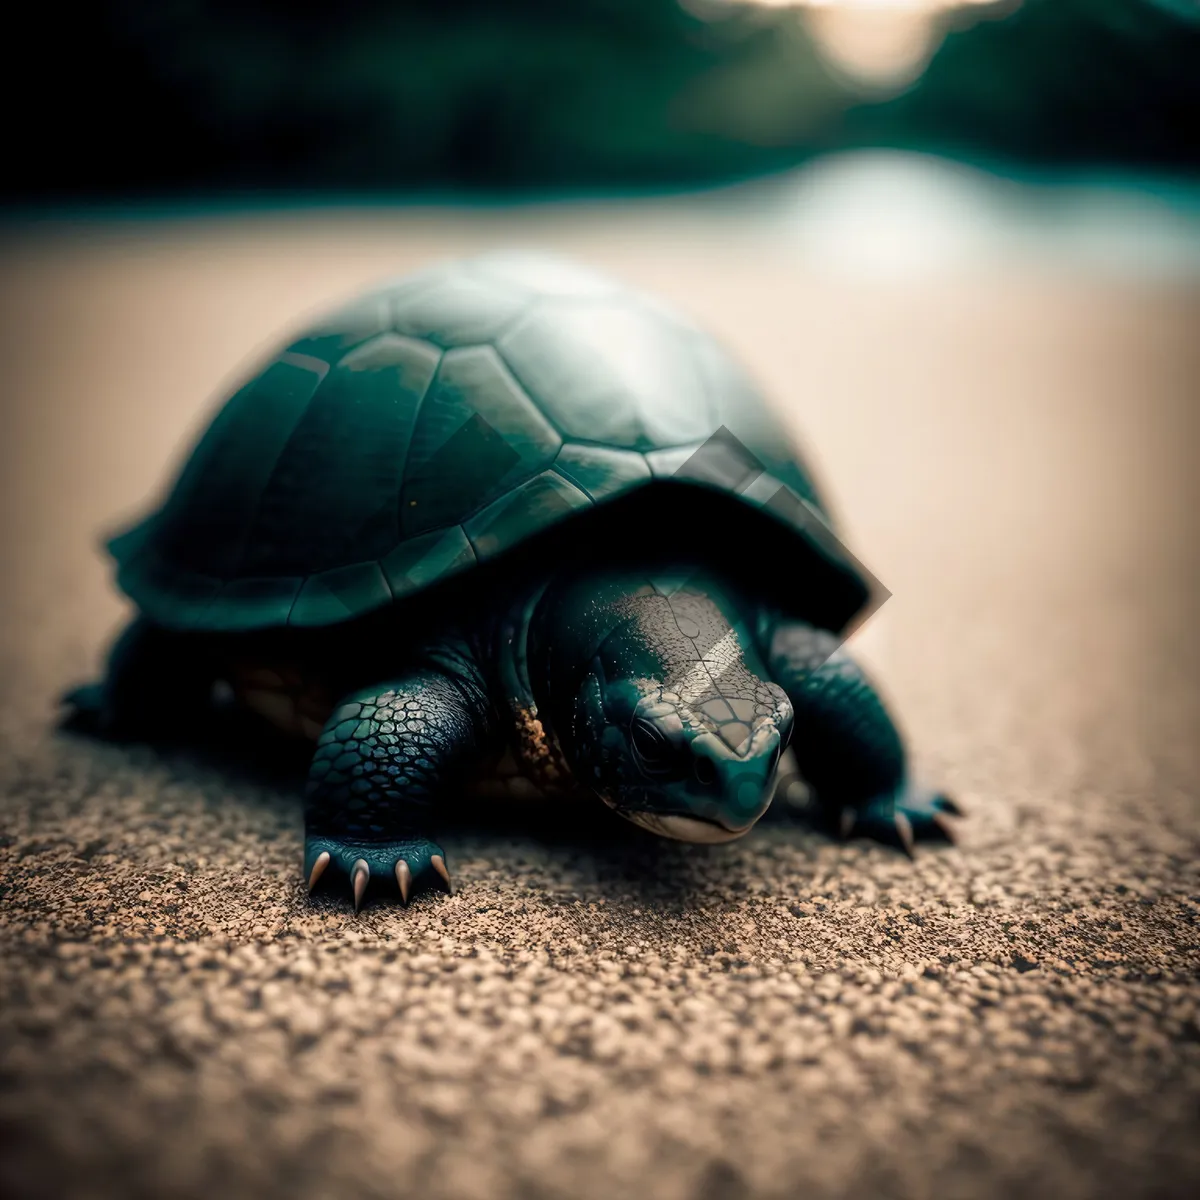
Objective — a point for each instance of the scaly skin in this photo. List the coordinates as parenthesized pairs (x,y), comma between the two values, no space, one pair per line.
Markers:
(846,745)
(664,692)
(661,699)
(382,761)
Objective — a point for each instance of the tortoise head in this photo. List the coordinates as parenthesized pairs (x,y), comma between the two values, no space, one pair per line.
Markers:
(675,724)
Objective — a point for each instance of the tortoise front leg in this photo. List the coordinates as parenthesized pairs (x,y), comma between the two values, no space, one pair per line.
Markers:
(385,757)
(846,745)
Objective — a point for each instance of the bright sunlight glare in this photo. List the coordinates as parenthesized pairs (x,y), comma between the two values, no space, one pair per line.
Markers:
(878,45)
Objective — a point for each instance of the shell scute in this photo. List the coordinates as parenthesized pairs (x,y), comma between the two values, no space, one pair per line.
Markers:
(605,372)
(458,310)
(443,420)
(601,471)
(535,505)
(477,435)
(340,594)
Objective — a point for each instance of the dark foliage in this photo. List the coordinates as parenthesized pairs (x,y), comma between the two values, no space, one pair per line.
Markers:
(155,97)
(1059,81)
(142,96)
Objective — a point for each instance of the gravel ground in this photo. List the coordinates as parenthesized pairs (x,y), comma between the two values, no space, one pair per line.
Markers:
(595,1013)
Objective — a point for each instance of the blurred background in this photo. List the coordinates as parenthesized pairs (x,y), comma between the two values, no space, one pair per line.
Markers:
(959,245)
(190,177)
(132,98)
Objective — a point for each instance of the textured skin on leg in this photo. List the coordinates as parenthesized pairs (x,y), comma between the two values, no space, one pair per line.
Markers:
(387,754)
(844,741)
(846,745)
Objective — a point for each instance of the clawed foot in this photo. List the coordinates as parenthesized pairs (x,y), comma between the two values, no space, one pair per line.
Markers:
(903,819)
(413,863)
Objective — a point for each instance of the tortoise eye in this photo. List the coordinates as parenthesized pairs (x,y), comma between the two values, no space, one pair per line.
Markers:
(649,744)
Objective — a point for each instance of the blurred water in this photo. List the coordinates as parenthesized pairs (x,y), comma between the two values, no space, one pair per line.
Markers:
(874,211)
(907,213)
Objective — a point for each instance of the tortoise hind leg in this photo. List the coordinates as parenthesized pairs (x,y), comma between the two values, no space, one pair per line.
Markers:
(846,745)
(156,681)
(386,756)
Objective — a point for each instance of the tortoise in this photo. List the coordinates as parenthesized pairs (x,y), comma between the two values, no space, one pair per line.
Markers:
(507,527)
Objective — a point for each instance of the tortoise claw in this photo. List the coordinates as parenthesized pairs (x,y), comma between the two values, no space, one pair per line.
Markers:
(903,818)
(942,823)
(413,862)
(438,863)
(404,879)
(359,877)
(950,806)
(318,869)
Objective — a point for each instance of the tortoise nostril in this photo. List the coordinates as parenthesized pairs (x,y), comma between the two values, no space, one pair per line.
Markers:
(706,770)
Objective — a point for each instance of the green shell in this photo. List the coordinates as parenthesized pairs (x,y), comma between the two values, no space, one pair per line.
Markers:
(441,420)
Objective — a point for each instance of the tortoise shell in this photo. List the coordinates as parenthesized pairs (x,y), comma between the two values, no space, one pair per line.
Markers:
(442,420)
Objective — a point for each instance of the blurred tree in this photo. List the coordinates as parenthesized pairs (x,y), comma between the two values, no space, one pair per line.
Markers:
(1056,81)
(128,97)
(152,95)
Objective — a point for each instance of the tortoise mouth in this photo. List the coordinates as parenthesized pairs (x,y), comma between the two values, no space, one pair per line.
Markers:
(685,829)
(678,827)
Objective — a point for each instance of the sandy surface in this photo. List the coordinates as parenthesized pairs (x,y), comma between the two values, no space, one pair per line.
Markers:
(595,1014)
